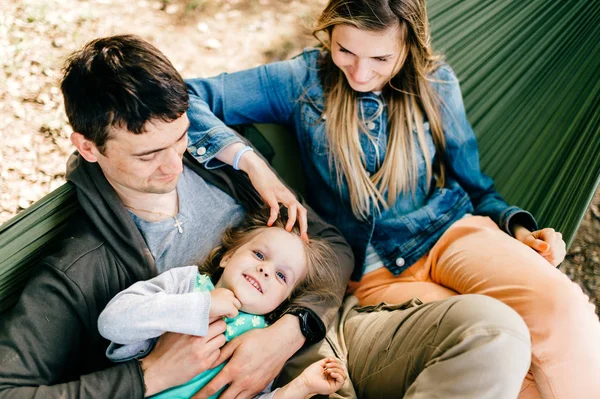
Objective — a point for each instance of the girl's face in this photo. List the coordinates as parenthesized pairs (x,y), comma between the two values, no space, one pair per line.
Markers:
(263,272)
(366,58)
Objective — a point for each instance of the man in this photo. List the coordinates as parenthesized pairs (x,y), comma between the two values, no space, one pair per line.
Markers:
(144,210)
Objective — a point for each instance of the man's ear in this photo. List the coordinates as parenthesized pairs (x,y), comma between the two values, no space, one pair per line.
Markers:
(86,148)
(225,260)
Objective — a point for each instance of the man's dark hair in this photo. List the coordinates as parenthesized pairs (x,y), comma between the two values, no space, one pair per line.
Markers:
(120,81)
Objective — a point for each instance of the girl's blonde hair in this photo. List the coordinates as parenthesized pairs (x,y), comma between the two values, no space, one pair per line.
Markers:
(409,96)
(319,278)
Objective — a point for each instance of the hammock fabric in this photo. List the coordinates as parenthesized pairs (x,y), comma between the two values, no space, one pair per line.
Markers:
(530,77)
(529,74)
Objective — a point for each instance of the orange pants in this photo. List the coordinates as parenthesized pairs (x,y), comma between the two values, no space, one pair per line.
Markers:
(475,257)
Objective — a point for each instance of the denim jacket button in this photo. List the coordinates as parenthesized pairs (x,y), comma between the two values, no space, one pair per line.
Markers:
(201,150)
(371,125)
(400,262)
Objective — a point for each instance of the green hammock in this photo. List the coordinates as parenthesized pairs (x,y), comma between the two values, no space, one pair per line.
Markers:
(530,75)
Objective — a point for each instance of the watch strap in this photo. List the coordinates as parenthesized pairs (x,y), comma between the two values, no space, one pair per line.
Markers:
(311,325)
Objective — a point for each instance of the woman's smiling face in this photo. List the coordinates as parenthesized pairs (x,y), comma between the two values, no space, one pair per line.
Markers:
(263,272)
(368,59)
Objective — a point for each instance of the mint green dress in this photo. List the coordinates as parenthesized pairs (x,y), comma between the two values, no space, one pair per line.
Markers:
(236,326)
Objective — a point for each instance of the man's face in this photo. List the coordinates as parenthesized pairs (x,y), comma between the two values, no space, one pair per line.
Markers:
(150,162)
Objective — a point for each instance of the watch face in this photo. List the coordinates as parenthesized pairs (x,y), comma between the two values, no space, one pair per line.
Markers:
(311,326)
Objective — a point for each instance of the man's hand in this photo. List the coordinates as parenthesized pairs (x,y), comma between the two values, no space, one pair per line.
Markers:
(547,242)
(257,357)
(177,358)
(223,303)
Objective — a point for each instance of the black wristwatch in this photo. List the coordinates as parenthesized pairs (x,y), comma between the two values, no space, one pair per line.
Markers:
(311,325)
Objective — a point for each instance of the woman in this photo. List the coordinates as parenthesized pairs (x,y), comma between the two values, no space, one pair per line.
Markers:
(394,164)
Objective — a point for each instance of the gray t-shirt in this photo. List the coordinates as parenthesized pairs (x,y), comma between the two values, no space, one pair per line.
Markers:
(204,213)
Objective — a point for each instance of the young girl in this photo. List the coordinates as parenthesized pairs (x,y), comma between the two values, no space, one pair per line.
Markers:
(392,161)
(257,270)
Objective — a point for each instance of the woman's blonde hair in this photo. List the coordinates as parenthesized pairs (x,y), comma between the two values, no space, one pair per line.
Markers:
(409,96)
(316,285)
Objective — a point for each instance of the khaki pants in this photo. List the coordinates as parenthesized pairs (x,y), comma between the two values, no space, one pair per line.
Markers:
(475,257)
(468,346)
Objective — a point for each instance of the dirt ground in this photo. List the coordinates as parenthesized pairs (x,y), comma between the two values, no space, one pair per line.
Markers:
(201,37)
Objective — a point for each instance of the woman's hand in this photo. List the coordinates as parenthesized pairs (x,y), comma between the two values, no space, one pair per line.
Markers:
(268,185)
(274,192)
(547,242)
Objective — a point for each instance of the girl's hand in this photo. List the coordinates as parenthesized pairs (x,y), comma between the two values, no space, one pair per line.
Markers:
(547,242)
(274,192)
(223,303)
(323,377)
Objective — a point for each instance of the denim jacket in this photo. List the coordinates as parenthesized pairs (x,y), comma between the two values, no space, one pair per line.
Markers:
(290,93)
